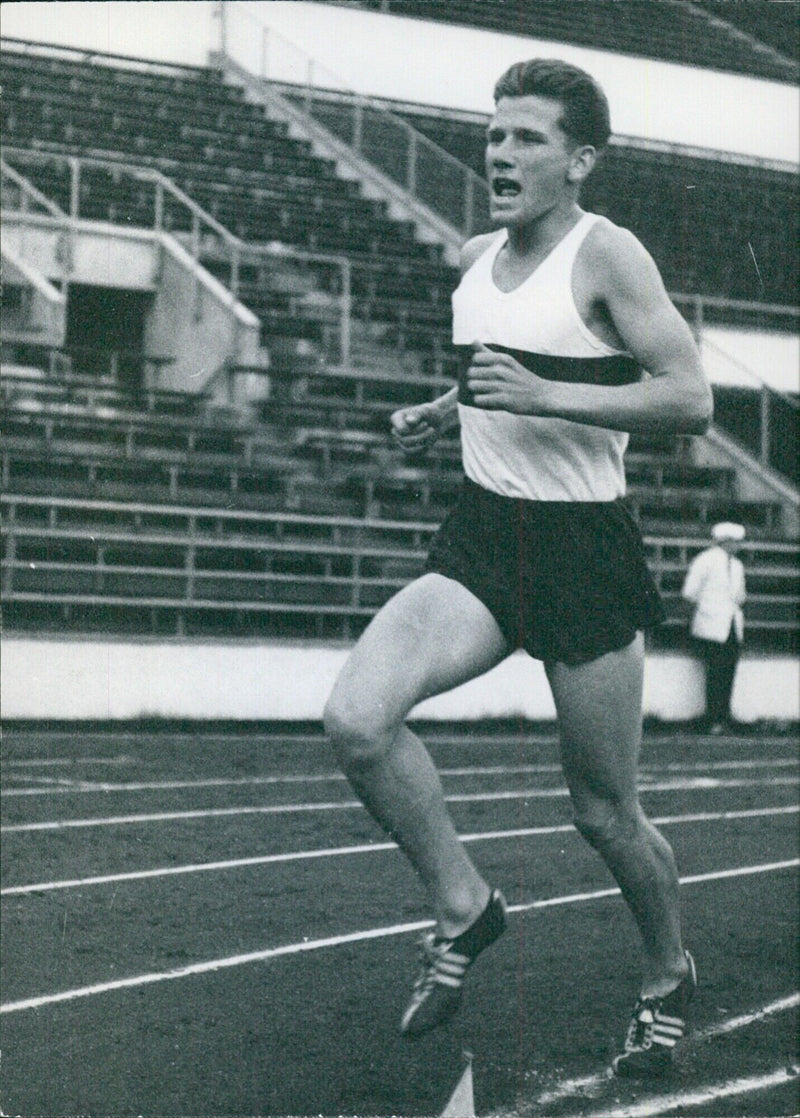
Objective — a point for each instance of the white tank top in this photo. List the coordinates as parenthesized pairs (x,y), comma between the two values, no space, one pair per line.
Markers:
(534,457)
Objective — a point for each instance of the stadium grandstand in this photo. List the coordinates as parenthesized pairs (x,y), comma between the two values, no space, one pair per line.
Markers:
(221,278)
(230,235)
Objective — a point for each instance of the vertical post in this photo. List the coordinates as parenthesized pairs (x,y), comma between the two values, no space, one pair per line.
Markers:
(236,259)
(74,187)
(159,205)
(411,167)
(764,448)
(230,370)
(236,264)
(355,600)
(195,242)
(469,205)
(347,301)
(358,126)
(235,348)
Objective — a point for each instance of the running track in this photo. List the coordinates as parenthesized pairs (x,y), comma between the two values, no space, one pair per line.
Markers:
(209,924)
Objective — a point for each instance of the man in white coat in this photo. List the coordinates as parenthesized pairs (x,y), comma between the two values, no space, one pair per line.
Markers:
(715,586)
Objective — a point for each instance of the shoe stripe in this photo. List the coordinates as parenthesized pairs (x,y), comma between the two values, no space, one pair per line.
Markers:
(450,967)
(454,957)
(667,1030)
(456,977)
(447,980)
(666,1041)
(662,1019)
(437,990)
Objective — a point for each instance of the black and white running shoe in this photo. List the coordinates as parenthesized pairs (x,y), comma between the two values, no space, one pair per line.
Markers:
(656,1027)
(437,990)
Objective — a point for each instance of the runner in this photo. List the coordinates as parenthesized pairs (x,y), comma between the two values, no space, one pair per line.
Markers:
(557,315)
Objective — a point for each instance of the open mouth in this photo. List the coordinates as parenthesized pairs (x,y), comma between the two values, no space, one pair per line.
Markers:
(505,188)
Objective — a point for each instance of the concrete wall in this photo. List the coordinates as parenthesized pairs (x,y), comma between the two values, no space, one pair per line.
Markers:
(95,253)
(194,318)
(61,678)
(197,321)
(41,315)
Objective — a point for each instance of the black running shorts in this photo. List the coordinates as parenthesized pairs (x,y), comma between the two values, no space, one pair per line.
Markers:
(565,580)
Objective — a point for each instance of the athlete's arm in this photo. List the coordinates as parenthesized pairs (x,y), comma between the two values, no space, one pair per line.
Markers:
(417,427)
(675,397)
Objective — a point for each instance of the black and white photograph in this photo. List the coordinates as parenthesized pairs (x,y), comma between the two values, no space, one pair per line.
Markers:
(400,638)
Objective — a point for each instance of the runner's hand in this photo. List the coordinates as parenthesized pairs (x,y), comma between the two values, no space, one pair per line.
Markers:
(498,382)
(416,428)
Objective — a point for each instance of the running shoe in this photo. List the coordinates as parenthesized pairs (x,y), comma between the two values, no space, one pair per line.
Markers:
(438,989)
(656,1027)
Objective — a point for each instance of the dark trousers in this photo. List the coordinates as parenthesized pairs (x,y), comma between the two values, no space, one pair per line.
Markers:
(720,661)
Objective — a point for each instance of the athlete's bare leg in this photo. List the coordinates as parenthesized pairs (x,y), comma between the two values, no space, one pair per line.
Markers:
(599,708)
(433,635)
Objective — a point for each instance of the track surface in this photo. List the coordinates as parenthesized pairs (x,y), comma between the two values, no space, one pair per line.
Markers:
(206,924)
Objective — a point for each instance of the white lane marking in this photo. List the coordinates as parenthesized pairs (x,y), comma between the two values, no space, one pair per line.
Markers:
(677,1102)
(369,848)
(87,786)
(245,781)
(347,805)
(762,763)
(43,762)
(464,770)
(588,1083)
(745,1019)
(288,949)
(167,816)
(467,739)
(48,783)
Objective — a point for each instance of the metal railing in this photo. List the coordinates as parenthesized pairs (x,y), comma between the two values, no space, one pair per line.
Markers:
(180,560)
(419,166)
(761,420)
(157,203)
(19,194)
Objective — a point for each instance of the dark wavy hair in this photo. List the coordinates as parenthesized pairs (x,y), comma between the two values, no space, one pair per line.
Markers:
(585,118)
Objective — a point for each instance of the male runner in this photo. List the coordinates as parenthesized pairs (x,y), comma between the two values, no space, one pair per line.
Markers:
(557,313)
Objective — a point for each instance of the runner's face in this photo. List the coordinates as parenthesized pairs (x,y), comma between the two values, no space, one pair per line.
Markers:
(528,156)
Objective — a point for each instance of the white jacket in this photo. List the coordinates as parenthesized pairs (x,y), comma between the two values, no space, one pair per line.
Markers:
(715,585)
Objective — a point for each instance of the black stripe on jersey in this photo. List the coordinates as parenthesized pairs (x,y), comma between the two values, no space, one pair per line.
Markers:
(616,369)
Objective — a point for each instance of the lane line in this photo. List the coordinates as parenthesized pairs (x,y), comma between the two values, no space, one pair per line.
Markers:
(745,1019)
(675,1103)
(289,949)
(703,784)
(764,763)
(44,762)
(246,781)
(467,738)
(587,1083)
(672,766)
(89,786)
(367,848)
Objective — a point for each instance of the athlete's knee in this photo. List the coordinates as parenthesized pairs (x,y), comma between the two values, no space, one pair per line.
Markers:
(359,733)
(606,825)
